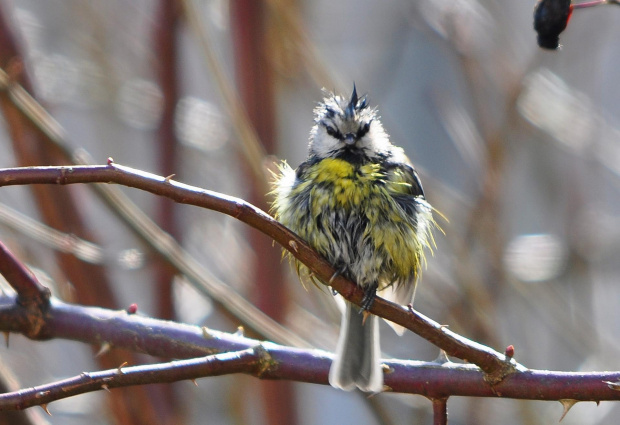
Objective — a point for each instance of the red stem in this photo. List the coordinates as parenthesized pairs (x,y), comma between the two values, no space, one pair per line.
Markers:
(255,82)
(440,411)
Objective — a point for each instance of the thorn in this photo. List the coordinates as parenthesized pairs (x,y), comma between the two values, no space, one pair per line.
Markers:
(105,347)
(168,178)
(119,369)
(293,245)
(567,403)
(110,160)
(598,402)
(239,331)
(105,387)
(442,358)
(365,313)
(206,333)
(195,382)
(410,308)
(6,338)
(613,385)
(387,369)
(509,352)
(44,407)
(132,309)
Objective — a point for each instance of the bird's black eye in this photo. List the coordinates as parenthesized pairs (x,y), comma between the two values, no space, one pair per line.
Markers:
(333,132)
(363,130)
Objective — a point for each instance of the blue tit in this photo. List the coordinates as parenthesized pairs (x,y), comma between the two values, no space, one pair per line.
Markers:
(358,201)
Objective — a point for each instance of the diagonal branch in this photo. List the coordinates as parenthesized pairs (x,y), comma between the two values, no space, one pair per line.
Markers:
(492,362)
(30,292)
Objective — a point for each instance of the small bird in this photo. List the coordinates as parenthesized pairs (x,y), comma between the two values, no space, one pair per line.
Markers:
(358,201)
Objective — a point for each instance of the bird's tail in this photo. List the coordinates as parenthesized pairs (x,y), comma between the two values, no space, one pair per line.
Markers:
(358,354)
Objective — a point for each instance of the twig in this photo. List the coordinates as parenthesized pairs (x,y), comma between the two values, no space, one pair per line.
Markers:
(440,411)
(490,361)
(251,147)
(30,292)
(593,3)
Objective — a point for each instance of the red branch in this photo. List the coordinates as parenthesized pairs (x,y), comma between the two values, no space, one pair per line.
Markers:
(440,411)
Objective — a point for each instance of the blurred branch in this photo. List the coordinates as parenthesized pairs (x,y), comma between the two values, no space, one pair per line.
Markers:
(64,242)
(251,148)
(593,3)
(255,82)
(165,47)
(492,362)
(291,31)
(62,210)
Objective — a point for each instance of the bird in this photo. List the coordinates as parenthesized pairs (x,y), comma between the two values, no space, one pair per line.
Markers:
(358,201)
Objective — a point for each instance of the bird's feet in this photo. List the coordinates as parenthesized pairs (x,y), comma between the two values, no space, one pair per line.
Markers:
(370,293)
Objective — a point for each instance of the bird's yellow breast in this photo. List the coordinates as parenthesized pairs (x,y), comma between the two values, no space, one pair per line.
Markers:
(350,214)
(348,184)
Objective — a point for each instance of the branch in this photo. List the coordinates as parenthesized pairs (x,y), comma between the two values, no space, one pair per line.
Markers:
(48,236)
(492,362)
(436,380)
(440,411)
(30,292)
(248,361)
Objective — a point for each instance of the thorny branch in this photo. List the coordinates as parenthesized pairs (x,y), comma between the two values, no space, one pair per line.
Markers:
(249,361)
(495,365)
(436,380)
(502,376)
(31,293)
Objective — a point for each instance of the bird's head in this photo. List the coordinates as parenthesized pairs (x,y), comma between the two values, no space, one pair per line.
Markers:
(347,126)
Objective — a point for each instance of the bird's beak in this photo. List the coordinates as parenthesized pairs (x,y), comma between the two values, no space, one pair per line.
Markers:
(349,139)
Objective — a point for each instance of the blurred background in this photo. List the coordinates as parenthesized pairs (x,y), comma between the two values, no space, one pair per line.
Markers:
(518,148)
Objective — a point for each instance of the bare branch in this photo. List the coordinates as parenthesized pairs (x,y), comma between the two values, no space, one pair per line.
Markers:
(30,292)
(436,380)
(247,361)
(490,361)
(440,411)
